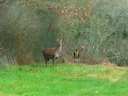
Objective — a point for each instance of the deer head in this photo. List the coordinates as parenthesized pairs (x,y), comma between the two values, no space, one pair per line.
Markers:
(82,47)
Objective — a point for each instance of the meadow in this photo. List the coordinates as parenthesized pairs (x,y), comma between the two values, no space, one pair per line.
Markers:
(63,80)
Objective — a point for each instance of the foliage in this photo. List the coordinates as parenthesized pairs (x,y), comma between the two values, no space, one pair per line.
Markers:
(28,26)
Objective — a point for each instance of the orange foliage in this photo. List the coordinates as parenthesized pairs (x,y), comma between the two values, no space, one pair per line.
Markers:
(70,11)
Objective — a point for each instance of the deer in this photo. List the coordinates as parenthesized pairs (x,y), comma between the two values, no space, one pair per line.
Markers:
(52,53)
(77,53)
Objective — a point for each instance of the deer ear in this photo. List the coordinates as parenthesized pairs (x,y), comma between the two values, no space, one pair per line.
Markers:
(59,40)
(82,46)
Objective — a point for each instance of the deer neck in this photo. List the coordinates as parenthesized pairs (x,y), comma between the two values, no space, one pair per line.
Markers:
(59,48)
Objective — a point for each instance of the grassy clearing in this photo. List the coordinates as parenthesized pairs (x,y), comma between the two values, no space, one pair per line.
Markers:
(63,80)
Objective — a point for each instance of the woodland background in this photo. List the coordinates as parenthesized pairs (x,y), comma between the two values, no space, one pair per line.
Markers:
(28,26)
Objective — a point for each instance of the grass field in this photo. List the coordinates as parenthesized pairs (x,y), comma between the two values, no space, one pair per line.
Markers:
(63,80)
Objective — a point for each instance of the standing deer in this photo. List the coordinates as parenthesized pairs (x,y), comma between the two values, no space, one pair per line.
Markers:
(52,53)
(77,53)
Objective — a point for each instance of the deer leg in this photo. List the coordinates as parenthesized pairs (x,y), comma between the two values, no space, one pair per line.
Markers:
(53,61)
(46,60)
(56,63)
(56,60)
(78,60)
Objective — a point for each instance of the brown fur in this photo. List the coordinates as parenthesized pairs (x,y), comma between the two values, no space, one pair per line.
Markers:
(52,53)
(77,53)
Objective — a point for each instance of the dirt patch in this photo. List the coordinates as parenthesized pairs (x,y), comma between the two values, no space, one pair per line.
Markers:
(70,74)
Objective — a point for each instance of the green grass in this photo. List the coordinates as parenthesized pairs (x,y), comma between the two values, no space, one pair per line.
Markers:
(63,80)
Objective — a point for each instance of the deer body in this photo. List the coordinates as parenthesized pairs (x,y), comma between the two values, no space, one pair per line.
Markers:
(52,53)
(77,53)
